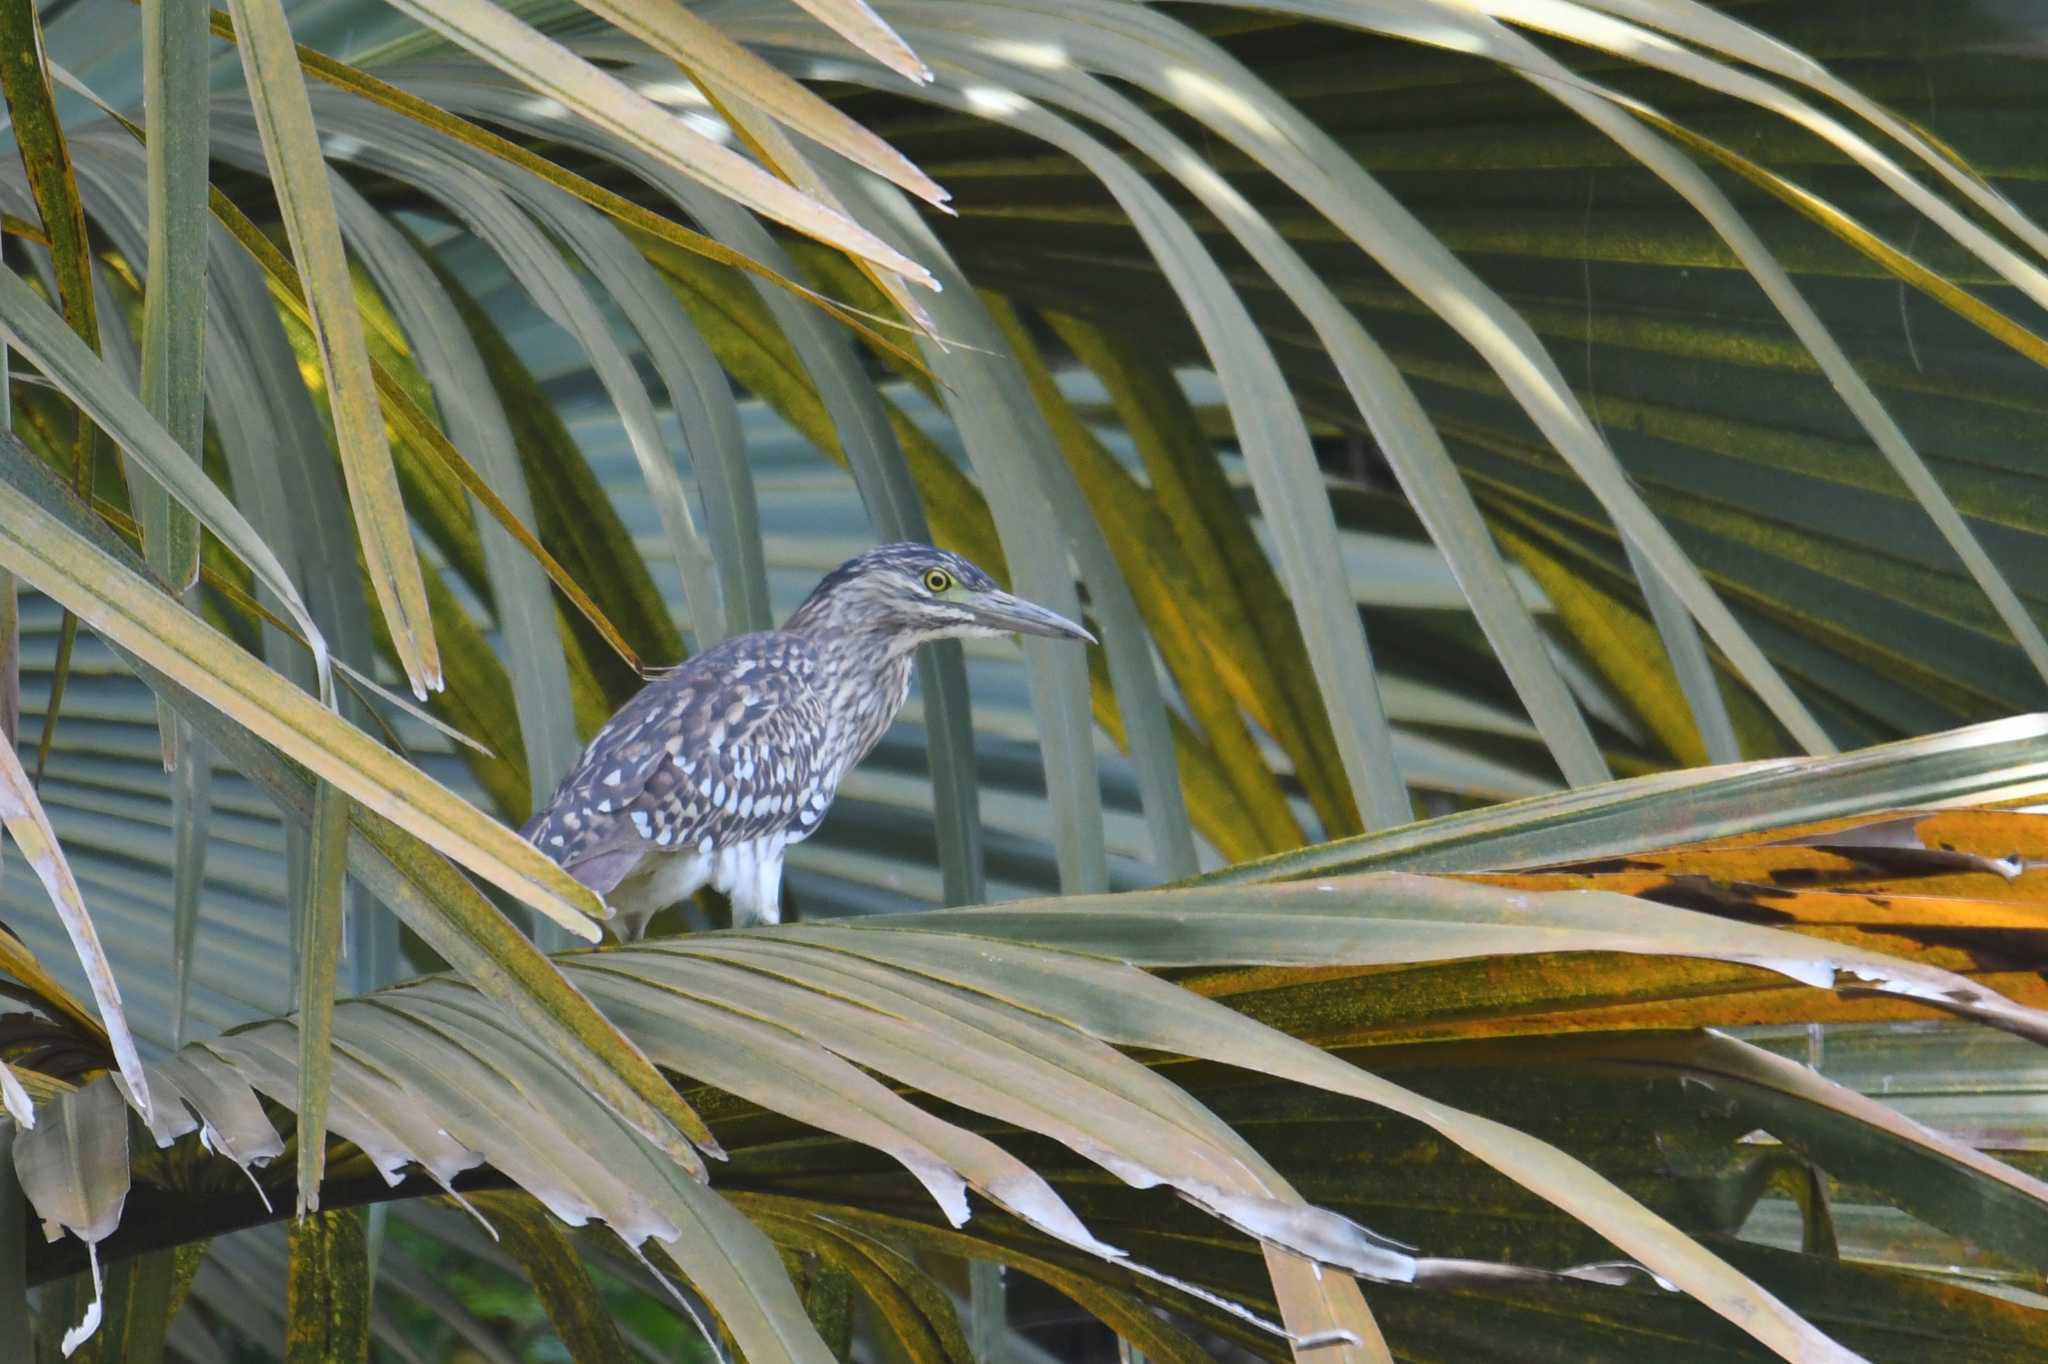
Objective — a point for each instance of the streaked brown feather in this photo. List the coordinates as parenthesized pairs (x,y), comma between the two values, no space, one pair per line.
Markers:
(721,751)
(710,772)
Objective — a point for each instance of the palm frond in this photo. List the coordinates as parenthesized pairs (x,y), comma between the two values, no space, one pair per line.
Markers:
(1649,384)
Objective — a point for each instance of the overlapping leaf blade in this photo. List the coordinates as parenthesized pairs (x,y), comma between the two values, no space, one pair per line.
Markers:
(500,37)
(1735,533)
(291,150)
(151,624)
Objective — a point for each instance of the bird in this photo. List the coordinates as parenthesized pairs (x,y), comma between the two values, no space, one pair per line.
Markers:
(714,770)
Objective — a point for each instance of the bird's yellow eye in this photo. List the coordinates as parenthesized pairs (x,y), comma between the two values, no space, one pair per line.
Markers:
(937,580)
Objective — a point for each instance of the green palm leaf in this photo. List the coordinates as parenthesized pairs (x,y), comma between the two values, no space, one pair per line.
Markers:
(1650,384)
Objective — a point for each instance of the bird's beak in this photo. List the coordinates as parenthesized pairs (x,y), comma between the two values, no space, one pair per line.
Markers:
(1001,611)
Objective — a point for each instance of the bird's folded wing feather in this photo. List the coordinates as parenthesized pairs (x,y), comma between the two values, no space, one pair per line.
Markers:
(726,749)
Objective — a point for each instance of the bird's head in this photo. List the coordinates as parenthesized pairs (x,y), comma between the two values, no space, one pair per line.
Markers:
(911,593)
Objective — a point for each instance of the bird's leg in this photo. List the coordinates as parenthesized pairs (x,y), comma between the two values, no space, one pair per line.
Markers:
(657,883)
(632,912)
(757,890)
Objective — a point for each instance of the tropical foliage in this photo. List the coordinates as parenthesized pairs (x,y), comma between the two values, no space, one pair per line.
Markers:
(1651,384)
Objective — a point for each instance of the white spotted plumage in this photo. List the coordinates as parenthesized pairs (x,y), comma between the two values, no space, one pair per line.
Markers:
(713,771)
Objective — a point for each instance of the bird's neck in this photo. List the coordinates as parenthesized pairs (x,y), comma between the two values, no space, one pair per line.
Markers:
(870,680)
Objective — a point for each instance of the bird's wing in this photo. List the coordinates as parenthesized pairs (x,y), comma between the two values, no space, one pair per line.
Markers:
(727,749)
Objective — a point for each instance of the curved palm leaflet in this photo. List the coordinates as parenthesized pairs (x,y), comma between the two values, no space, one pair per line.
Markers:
(1436,409)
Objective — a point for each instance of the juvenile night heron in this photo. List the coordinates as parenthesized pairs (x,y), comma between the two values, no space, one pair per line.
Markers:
(714,770)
